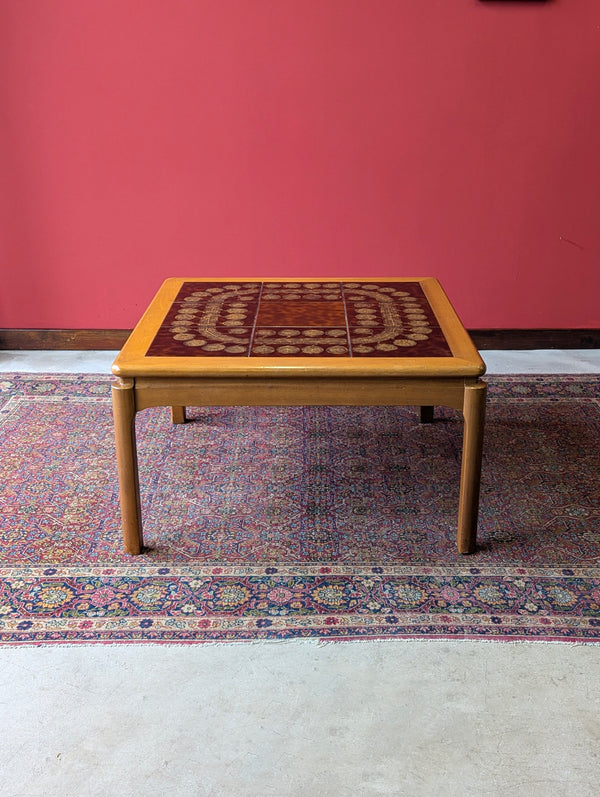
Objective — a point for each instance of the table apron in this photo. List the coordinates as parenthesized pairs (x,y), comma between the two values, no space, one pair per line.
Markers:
(295,392)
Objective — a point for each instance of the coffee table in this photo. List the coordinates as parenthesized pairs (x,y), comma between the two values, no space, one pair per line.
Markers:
(280,342)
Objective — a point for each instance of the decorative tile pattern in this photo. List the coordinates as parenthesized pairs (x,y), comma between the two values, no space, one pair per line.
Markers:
(300,319)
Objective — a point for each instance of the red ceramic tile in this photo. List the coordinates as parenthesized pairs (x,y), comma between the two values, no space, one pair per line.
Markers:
(300,342)
(323,319)
(204,292)
(393,342)
(301,313)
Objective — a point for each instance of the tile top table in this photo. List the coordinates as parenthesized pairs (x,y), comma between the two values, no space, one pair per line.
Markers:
(274,342)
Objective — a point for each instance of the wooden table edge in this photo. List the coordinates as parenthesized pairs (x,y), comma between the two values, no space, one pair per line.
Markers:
(465,360)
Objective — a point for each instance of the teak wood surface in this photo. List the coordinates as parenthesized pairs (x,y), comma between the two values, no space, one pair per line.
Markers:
(178,381)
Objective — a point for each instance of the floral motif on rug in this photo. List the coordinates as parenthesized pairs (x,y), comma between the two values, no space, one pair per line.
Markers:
(275,523)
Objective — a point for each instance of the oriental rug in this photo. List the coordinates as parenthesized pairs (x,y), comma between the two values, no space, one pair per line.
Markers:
(279,523)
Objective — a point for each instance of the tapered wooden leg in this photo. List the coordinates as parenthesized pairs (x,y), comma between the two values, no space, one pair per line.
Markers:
(426,414)
(127,464)
(178,414)
(470,478)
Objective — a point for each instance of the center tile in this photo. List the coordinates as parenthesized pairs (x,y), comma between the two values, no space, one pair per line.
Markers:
(301,314)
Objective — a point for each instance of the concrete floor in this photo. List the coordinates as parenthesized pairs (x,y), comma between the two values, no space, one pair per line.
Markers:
(302,718)
(557,361)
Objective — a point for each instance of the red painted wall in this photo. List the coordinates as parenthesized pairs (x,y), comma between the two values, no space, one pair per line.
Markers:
(150,138)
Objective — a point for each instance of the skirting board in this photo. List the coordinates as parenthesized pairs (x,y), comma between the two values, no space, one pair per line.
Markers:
(113,339)
(63,339)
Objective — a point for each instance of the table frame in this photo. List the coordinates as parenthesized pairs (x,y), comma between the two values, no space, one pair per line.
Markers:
(177,382)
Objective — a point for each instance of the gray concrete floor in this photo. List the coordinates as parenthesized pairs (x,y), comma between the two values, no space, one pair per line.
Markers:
(556,361)
(302,718)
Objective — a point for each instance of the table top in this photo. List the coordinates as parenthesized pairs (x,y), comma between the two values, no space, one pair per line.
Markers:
(273,327)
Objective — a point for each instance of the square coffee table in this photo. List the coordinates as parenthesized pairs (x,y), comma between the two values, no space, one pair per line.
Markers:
(280,342)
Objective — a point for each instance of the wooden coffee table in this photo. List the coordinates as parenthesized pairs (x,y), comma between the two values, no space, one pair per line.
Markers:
(360,342)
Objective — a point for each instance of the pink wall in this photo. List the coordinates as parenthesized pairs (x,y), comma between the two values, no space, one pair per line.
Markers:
(150,138)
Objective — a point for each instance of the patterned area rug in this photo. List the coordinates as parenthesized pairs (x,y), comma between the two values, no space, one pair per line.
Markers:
(298,522)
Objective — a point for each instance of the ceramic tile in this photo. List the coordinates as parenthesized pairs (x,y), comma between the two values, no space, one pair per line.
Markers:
(301,313)
(300,342)
(389,342)
(195,293)
(313,319)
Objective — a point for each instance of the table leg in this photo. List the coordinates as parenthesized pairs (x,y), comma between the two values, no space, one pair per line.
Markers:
(178,414)
(127,464)
(470,478)
(426,414)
